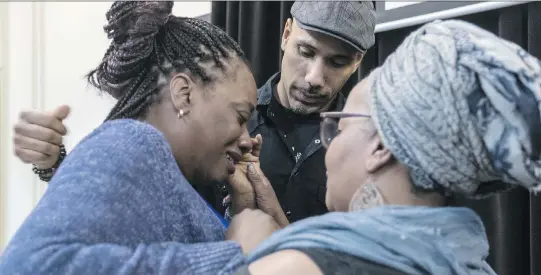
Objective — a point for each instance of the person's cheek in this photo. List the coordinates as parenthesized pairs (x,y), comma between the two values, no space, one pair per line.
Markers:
(330,161)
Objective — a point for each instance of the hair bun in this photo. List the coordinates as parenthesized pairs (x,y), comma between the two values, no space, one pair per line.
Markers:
(136,18)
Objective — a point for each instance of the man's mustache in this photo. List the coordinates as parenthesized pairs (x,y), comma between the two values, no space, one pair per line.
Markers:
(312,92)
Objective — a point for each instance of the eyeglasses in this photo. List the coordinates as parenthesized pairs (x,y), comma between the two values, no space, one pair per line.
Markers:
(329,125)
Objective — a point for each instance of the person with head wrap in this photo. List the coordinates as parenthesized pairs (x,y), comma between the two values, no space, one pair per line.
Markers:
(454,111)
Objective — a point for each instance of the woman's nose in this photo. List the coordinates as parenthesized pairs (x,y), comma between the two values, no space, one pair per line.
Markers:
(245,143)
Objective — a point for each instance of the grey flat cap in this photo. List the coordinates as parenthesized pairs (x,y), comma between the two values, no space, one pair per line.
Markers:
(350,21)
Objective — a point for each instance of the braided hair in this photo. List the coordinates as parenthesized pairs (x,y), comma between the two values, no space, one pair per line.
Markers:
(148,44)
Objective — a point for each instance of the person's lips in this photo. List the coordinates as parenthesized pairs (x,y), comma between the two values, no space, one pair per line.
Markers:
(306,98)
(233,158)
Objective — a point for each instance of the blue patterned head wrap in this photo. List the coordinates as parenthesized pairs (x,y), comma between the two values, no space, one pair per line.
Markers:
(460,107)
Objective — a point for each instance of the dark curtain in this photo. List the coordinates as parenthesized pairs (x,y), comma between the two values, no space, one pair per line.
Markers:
(512,219)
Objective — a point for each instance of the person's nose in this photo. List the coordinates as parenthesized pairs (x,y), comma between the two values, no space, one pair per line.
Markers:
(245,142)
(315,75)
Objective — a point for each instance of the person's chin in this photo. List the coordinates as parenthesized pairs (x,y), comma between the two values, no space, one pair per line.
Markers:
(214,177)
(221,177)
(300,108)
(330,201)
(328,204)
(305,107)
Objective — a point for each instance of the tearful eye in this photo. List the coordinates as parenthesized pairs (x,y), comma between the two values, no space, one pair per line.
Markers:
(241,119)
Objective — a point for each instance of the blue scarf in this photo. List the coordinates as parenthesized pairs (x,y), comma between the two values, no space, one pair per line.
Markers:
(415,240)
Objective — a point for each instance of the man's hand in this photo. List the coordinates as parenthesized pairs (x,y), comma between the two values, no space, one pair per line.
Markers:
(38,136)
(249,228)
(241,190)
(265,196)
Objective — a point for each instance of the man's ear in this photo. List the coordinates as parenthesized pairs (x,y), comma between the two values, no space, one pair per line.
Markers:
(287,33)
(181,90)
(378,156)
(358,60)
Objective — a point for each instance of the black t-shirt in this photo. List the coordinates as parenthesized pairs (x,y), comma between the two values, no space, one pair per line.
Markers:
(336,263)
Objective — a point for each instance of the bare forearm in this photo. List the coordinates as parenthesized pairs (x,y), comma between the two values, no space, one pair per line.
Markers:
(240,202)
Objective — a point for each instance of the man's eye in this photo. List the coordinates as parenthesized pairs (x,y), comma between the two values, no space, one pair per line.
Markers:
(305,52)
(338,63)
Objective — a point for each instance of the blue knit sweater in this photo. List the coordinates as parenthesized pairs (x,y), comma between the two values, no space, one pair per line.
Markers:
(120,205)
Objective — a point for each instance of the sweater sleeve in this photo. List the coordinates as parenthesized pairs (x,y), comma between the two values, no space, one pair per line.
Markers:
(159,258)
(119,205)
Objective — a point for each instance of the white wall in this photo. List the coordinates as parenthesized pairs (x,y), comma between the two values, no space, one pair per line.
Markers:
(45,50)
(393,5)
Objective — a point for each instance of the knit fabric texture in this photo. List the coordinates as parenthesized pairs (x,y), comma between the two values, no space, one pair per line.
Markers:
(119,204)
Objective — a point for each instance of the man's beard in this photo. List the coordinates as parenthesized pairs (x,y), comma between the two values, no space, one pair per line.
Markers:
(300,111)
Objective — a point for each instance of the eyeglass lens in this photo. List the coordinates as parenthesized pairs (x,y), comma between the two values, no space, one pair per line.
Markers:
(329,130)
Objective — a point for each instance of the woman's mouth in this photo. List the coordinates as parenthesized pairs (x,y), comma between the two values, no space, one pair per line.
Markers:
(230,163)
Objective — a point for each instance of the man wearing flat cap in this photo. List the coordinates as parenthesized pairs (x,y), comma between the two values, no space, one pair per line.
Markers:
(323,45)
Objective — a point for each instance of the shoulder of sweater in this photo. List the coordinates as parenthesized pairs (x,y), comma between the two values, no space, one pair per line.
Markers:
(126,139)
(130,131)
(120,152)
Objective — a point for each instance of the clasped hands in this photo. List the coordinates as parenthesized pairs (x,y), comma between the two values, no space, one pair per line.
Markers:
(254,206)
(250,189)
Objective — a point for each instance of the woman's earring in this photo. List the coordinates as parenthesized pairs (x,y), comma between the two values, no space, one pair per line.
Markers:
(181,113)
(367,196)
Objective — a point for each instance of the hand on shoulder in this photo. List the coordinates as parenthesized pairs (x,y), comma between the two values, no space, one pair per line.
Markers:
(38,136)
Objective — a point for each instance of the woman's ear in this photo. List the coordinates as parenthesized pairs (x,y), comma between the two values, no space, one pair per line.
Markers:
(379,155)
(181,90)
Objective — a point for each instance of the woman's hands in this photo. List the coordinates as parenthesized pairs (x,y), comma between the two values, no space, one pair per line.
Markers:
(242,194)
(251,189)
(265,197)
